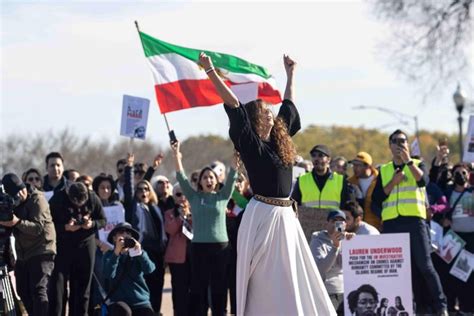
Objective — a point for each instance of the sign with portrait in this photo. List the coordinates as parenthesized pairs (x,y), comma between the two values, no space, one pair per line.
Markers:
(134,117)
(468,155)
(115,214)
(377,275)
(462,267)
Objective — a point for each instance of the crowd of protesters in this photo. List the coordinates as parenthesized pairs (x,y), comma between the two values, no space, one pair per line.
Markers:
(191,228)
(83,243)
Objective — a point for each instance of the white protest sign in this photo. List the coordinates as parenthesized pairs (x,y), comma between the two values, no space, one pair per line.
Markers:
(463,265)
(115,214)
(378,264)
(415,148)
(468,155)
(451,245)
(134,117)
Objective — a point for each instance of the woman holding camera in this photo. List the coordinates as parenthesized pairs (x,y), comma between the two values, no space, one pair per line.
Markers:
(143,213)
(210,244)
(124,270)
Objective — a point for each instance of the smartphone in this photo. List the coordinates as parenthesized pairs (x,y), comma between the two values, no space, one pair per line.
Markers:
(339,226)
(173,138)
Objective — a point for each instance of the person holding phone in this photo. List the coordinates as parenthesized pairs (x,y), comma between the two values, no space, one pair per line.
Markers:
(124,268)
(326,249)
(400,199)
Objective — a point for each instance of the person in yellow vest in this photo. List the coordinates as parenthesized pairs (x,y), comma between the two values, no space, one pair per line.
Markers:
(400,198)
(363,182)
(321,188)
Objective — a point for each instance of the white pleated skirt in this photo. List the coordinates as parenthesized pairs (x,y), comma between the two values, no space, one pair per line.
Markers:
(276,273)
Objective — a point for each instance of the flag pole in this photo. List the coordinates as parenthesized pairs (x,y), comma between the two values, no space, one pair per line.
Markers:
(170,132)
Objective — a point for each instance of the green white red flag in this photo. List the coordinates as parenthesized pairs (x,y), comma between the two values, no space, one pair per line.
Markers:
(180,83)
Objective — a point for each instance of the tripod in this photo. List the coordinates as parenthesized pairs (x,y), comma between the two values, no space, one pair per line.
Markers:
(7,301)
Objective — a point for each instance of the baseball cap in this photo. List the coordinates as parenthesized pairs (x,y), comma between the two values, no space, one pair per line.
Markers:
(336,213)
(322,149)
(363,157)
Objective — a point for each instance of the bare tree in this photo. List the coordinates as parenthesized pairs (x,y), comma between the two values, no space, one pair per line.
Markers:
(430,40)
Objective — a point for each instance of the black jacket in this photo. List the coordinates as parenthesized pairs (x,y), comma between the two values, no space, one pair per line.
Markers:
(63,211)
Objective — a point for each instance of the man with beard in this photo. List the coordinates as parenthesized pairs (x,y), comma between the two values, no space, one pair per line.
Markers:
(400,198)
(321,188)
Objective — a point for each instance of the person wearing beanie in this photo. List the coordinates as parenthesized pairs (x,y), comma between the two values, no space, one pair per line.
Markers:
(35,243)
(77,215)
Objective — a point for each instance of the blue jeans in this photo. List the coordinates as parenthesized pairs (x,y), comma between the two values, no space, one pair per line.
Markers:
(422,268)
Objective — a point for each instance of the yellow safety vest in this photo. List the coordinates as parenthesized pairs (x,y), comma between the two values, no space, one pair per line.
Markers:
(329,198)
(406,199)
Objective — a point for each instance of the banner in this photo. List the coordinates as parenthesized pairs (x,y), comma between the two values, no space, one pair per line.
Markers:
(468,155)
(377,275)
(115,214)
(134,117)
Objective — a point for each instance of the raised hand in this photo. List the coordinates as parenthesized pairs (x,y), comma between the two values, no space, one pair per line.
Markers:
(205,61)
(289,63)
(175,148)
(158,160)
(130,159)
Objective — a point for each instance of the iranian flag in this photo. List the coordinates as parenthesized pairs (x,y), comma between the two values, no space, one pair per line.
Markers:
(180,83)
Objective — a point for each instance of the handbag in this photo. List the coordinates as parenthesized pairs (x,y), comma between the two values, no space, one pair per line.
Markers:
(101,309)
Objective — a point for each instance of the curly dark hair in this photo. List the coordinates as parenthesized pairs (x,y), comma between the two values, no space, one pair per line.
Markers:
(353,296)
(285,147)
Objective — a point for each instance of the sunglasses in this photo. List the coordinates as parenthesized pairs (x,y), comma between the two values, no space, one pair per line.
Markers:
(399,141)
(178,194)
(33,179)
(143,189)
(194,179)
(139,172)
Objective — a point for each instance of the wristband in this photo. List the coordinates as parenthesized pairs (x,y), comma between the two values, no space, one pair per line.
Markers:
(210,69)
(409,163)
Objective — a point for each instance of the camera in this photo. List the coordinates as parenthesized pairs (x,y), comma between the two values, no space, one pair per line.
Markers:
(129,242)
(7,204)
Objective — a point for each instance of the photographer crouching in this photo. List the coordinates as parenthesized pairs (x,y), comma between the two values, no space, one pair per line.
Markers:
(77,215)
(35,243)
(124,270)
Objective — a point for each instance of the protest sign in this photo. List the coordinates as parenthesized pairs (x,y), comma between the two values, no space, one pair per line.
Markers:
(380,265)
(115,214)
(463,265)
(134,117)
(468,155)
(451,245)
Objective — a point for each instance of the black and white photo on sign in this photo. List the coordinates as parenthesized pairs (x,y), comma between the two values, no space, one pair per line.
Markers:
(134,117)
(375,269)
(462,267)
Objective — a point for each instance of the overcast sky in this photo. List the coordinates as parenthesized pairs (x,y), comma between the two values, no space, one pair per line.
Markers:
(68,64)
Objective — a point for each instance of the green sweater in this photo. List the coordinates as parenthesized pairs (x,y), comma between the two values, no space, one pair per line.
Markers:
(208,209)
